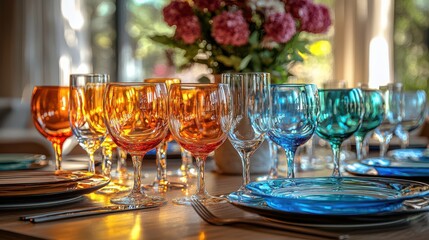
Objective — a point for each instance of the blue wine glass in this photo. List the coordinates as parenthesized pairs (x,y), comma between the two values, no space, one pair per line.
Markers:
(251,113)
(373,117)
(294,116)
(340,116)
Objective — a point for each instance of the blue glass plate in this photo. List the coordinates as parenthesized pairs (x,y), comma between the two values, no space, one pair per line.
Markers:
(337,196)
(411,154)
(260,207)
(398,167)
(18,161)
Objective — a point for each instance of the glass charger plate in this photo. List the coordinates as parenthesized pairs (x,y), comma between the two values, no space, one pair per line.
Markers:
(398,167)
(17,178)
(259,206)
(337,196)
(43,194)
(411,154)
(49,203)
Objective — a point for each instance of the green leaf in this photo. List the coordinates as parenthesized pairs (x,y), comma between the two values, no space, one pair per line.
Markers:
(232,61)
(245,62)
(253,39)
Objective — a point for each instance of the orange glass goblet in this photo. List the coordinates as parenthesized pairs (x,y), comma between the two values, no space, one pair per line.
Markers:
(136,118)
(199,117)
(50,111)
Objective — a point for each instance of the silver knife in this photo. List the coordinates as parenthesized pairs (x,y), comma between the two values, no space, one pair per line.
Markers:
(81,212)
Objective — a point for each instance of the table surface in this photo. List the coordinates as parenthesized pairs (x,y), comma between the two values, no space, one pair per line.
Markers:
(175,221)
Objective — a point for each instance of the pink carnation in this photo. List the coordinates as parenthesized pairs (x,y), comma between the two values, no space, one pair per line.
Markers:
(230,28)
(210,5)
(295,7)
(317,20)
(280,27)
(175,11)
(188,29)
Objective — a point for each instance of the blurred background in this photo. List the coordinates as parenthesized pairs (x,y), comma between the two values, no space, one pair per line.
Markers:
(43,41)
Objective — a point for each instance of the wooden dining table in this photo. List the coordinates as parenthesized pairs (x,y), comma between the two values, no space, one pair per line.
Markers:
(173,221)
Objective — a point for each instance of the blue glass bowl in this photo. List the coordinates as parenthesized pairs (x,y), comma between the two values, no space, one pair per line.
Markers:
(398,167)
(337,196)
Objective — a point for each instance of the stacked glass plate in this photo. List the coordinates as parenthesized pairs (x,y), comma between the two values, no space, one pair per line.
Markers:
(403,163)
(328,200)
(31,189)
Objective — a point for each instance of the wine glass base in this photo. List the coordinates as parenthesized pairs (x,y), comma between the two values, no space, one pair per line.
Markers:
(206,200)
(113,188)
(140,200)
(156,187)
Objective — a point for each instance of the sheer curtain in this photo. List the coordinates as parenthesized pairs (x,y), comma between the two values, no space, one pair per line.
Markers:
(48,40)
(363,42)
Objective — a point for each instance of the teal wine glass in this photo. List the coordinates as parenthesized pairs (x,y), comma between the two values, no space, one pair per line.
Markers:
(340,116)
(374,114)
(294,116)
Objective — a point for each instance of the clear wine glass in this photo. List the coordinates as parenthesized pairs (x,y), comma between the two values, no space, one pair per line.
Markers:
(161,183)
(251,116)
(294,115)
(392,95)
(340,116)
(374,114)
(136,119)
(414,113)
(199,117)
(86,112)
(50,112)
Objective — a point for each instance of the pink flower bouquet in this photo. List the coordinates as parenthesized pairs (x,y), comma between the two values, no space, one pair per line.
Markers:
(243,35)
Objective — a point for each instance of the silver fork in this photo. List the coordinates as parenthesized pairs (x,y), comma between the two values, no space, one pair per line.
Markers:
(209,217)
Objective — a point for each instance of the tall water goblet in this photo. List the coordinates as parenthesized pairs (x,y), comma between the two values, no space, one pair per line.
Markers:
(374,114)
(86,112)
(414,113)
(340,116)
(294,116)
(393,111)
(251,116)
(199,118)
(50,112)
(136,119)
(161,183)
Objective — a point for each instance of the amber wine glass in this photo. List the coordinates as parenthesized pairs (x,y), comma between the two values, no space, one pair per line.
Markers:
(161,183)
(136,119)
(199,118)
(50,111)
(86,112)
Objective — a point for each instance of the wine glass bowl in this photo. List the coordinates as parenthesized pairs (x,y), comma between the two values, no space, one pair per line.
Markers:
(294,115)
(50,114)
(414,113)
(136,119)
(199,117)
(340,116)
(86,112)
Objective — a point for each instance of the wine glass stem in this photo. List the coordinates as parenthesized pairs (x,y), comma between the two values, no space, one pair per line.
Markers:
(359,147)
(290,155)
(201,187)
(137,165)
(107,160)
(246,170)
(274,173)
(161,163)
(91,165)
(336,159)
(58,149)
(405,140)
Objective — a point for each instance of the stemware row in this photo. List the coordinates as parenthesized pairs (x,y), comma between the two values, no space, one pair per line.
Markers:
(245,108)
